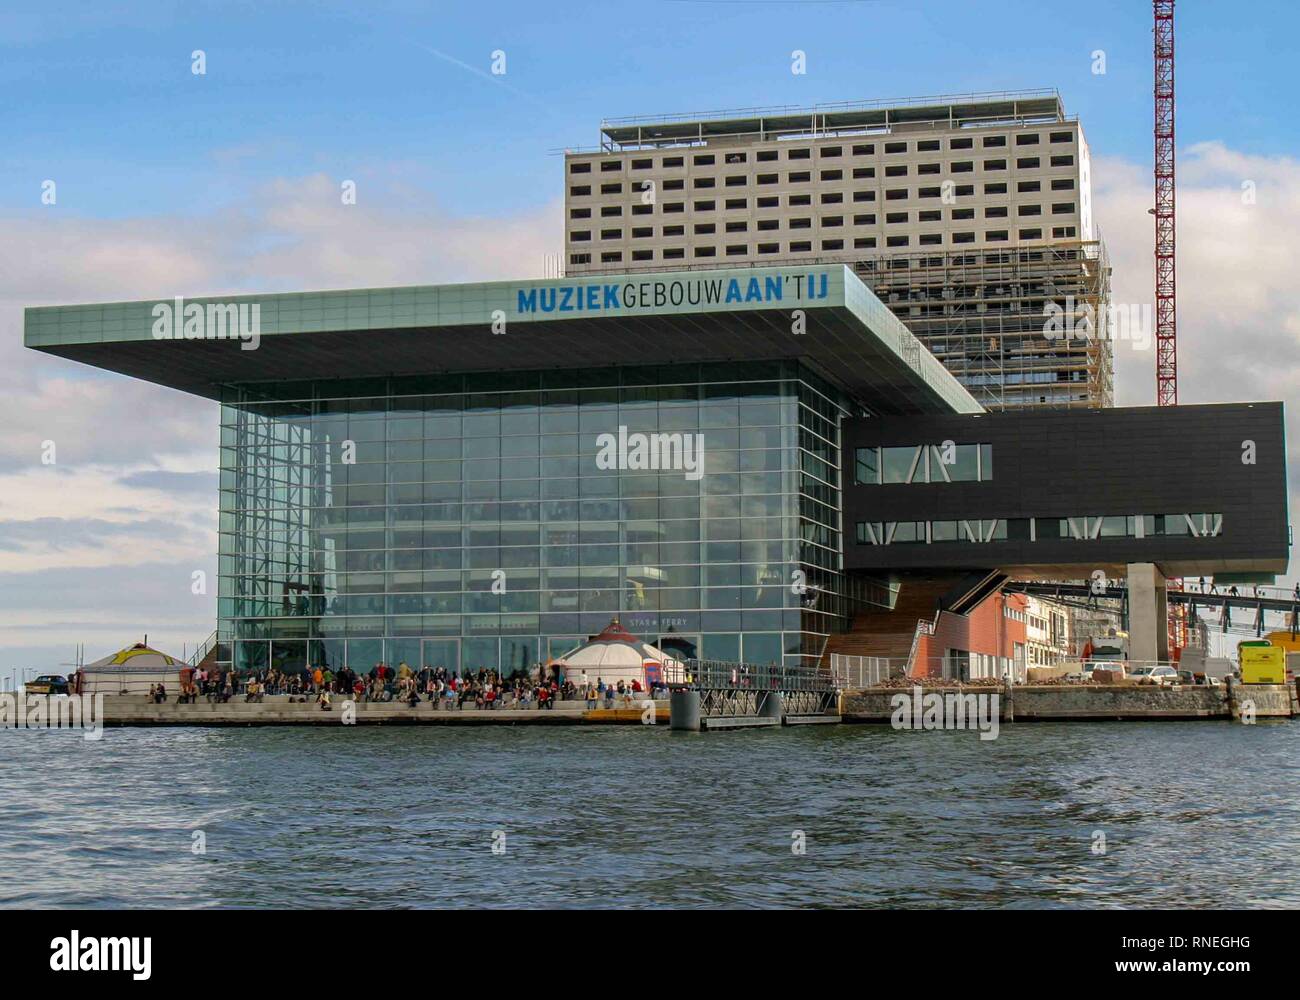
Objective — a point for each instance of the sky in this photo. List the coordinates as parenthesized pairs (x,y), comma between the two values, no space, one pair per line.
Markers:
(168,181)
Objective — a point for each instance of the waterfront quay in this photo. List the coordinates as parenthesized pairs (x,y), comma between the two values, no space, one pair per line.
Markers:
(1020,703)
(280,710)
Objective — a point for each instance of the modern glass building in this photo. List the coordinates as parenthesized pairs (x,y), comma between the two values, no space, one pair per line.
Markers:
(483,475)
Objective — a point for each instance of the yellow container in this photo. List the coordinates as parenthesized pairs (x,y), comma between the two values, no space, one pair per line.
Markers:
(1263,664)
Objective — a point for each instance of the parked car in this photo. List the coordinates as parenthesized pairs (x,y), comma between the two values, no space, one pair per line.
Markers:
(47,684)
(1085,673)
(1162,675)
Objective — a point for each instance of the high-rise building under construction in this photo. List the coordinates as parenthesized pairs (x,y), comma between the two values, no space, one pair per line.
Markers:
(970,217)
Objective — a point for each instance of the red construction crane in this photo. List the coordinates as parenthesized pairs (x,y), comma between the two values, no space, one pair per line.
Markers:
(1166,307)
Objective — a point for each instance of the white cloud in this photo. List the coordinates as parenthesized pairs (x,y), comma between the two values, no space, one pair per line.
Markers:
(119,495)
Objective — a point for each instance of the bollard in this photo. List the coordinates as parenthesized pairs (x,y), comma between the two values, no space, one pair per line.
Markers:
(773,706)
(1008,702)
(1230,684)
(684,710)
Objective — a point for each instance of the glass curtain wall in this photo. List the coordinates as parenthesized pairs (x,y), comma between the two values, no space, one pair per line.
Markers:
(497,520)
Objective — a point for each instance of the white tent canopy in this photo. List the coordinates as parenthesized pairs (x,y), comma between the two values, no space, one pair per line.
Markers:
(616,655)
(132,670)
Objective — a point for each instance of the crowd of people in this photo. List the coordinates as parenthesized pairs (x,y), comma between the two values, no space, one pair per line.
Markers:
(538,688)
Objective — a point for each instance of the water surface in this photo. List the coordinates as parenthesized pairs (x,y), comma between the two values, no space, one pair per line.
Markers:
(1194,814)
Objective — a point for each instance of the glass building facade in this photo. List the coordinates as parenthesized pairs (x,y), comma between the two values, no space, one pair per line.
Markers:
(468,521)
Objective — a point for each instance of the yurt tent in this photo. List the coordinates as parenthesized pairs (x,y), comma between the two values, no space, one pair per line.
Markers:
(132,670)
(617,655)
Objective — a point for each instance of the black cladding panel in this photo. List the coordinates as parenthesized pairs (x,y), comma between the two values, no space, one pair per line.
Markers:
(1053,464)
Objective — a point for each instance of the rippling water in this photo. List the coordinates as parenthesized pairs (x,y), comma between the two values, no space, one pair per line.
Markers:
(1194,814)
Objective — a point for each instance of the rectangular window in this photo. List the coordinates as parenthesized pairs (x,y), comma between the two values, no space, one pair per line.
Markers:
(798,154)
(1027,163)
(1062,161)
(611,189)
(861,172)
(965,142)
(703,160)
(991,141)
(1027,139)
(896,464)
(580,168)
(895,147)
(868,149)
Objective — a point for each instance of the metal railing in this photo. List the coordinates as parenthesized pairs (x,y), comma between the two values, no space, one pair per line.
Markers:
(726,674)
(862,671)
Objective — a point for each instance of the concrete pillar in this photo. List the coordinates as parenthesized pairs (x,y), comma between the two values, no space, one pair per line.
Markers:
(1148,613)
(684,710)
(773,705)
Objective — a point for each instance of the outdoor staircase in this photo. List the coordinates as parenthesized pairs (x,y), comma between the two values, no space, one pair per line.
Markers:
(892,634)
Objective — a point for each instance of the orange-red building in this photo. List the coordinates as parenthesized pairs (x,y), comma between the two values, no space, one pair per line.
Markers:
(985,643)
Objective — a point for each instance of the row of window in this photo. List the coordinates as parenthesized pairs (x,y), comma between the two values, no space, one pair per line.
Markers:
(891,148)
(806,177)
(825,222)
(1031,529)
(806,246)
(942,463)
(825,198)
(861,219)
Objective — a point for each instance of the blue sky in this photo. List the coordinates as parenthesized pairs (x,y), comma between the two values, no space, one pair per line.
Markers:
(100,96)
(171,183)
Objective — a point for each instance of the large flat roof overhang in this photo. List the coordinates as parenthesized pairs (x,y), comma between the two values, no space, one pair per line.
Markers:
(822,315)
